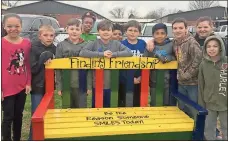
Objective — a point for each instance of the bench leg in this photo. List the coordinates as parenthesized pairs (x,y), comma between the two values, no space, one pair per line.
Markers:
(38,131)
(198,133)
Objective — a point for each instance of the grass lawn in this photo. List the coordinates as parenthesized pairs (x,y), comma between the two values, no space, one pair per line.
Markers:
(27,113)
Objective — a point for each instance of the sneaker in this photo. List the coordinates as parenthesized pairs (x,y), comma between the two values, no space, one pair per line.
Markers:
(219,138)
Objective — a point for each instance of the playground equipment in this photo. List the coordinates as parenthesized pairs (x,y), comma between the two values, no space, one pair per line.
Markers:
(138,123)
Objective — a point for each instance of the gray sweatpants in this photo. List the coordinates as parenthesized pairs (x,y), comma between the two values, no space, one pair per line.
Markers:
(211,124)
(153,82)
(77,98)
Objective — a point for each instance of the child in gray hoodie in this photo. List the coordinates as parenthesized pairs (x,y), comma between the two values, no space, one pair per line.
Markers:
(71,47)
(163,50)
(104,47)
(213,86)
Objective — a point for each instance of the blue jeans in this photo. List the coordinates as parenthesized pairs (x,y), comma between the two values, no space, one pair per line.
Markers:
(190,91)
(106,98)
(36,99)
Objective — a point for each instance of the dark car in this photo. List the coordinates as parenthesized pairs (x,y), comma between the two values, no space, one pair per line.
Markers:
(31,24)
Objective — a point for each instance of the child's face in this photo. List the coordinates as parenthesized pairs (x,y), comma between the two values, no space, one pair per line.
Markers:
(117,35)
(13,27)
(105,34)
(132,33)
(204,29)
(47,37)
(87,24)
(160,35)
(179,30)
(212,48)
(74,32)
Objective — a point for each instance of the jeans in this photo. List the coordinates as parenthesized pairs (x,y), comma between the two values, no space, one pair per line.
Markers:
(153,82)
(13,107)
(129,99)
(106,98)
(190,91)
(121,95)
(36,99)
(136,95)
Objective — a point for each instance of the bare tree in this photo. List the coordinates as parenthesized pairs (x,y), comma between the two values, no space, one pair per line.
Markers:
(161,11)
(10,3)
(199,4)
(172,11)
(117,12)
(133,12)
(152,15)
(155,14)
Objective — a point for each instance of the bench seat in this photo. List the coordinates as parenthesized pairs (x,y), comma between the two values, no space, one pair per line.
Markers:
(138,123)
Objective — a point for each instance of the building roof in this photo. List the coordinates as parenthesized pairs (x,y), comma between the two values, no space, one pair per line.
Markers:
(197,10)
(51,7)
(195,14)
(125,20)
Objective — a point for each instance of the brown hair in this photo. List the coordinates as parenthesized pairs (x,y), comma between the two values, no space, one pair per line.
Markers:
(73,21)
(104,25)
(217,40)
(132,23)
(9,15)
(117,26)
(205,18)
(46,28)
(180,20)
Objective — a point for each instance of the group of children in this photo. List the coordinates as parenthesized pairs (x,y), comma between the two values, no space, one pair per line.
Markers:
(23,66)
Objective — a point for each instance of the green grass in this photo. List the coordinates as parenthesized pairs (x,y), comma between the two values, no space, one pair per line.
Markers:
(26,119)
(27,113)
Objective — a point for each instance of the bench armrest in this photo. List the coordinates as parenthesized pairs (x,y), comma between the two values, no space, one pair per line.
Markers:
(201,110)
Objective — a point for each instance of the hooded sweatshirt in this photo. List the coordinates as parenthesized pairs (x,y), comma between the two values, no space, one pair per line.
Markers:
(162,52)
(96,49)
(88,37)
(189,56)
(213,80)
(202,40)
(68,49)
(38,56)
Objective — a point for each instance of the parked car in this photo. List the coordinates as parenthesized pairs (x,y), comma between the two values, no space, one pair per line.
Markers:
(31,24)
(222,31)
(147,30)
(60,37)
(192,30)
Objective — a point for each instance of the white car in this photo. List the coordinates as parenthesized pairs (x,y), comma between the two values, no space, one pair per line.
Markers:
(147,30)
(146,33)
(222,31)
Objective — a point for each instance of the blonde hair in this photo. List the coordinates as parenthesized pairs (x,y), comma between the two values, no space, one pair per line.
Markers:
(46,28)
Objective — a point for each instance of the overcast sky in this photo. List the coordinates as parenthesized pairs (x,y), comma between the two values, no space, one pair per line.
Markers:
(142,7)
